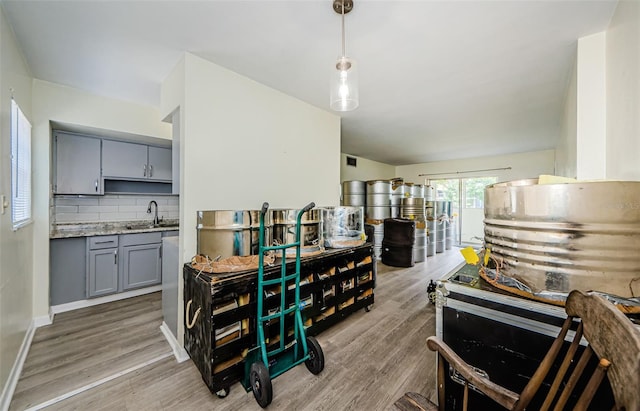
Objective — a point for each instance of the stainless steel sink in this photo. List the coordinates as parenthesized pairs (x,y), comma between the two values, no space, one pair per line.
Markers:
(148,225)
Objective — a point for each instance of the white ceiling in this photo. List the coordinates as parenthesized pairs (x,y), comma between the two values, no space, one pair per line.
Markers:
(438,79)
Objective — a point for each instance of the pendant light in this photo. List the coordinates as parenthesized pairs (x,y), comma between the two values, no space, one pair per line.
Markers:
(344,76)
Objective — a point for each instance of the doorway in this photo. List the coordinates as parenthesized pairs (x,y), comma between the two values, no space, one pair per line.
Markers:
(467,206)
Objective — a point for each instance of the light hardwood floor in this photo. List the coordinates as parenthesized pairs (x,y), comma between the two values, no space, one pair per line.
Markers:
(371,359)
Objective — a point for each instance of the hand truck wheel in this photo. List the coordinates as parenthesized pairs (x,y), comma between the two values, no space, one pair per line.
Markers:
(223,392)
(261,384)
(315,363)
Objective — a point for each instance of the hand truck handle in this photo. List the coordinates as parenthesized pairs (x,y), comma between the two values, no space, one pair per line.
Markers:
(265,207)
(308,207)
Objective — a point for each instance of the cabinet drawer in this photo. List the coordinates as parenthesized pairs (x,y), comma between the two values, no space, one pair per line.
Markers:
(141,238)
(103,241)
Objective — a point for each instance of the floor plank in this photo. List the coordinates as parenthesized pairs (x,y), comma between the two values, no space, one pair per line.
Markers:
(86,345)
(372,358)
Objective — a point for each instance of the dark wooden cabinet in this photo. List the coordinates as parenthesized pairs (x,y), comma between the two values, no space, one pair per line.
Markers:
(333,286)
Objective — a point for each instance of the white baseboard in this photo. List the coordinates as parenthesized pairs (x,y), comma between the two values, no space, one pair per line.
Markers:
(61,308)
(16,370)
(178,352)
(43,320)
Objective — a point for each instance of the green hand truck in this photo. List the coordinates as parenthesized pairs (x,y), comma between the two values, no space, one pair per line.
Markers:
(263,363)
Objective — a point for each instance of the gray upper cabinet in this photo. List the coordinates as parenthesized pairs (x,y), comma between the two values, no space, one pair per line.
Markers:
(122,160)
(77,164)
(159,164)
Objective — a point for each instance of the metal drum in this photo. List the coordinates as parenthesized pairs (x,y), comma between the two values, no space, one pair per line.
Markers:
(553,238)
(441,233)
(412,208)
(342,227)
(378,199)
(354,193)
(354,187)
(442,208)
(398,192)
(429,193)
(227,233)
(353,200)
(417,191)
(378,236)
(284,229)
(431,236)
(420,243)
(429,208)
(451,233)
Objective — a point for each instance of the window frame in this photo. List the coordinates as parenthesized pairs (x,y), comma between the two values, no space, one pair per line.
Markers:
(21,168)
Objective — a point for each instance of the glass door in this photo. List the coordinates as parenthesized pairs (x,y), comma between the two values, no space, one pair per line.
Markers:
(471,223)
(467,204)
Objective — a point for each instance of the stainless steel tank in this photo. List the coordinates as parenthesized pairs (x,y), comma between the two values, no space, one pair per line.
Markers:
(284,229)
(378,199)
(398,192)
(413,208)
(226,233)
(554,238)
(353,193)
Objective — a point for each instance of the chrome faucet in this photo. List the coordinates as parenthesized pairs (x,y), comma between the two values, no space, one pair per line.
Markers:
(155,217)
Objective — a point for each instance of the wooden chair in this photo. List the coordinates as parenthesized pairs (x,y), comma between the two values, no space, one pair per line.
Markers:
(611,337)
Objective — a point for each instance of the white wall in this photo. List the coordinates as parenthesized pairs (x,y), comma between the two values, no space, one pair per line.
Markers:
(523,165)
(53,102)
(567,149)
(591,108)
(243,143)
(365,169)
(16,253)
(623,92)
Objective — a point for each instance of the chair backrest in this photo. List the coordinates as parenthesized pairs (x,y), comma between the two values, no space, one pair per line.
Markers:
(615,338)
(612,338)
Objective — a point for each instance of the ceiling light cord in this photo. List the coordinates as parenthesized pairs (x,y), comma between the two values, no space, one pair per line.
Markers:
(344,47)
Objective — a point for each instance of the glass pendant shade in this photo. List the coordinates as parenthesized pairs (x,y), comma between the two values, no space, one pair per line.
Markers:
(344,85)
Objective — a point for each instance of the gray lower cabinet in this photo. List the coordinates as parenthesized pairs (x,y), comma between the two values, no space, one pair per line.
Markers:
(102,265)
(103,272)
(141,264)
(67,270)
(87,267)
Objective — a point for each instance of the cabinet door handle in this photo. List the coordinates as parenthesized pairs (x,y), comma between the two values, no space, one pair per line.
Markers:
(96,186)
(144,167)
(150,170)
(115,256)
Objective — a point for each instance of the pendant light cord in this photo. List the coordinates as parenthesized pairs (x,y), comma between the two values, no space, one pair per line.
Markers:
(343,42)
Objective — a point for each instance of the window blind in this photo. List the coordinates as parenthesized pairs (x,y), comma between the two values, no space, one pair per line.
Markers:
(20,167)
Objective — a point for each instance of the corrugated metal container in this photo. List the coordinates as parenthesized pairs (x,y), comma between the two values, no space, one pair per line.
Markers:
(378,199)
(554,238)
(353,193)
(226,233)
(284,229)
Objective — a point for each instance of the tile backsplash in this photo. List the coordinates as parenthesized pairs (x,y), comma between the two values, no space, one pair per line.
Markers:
(111,207)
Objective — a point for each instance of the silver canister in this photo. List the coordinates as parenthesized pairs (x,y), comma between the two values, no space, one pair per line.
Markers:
(226,233)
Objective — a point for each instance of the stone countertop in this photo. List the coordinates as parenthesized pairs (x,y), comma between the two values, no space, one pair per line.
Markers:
(89,229)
